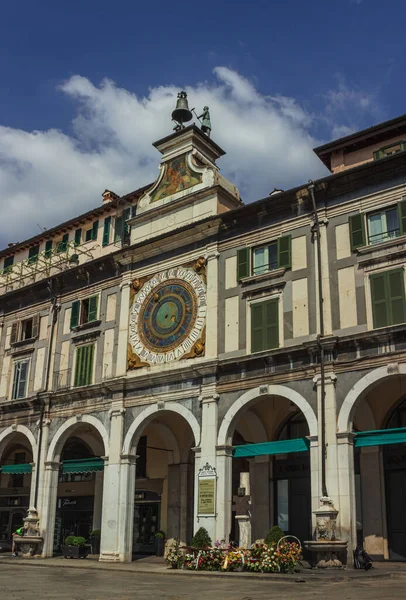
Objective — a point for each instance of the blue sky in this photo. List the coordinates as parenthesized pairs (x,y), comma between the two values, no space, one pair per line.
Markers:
(279,78)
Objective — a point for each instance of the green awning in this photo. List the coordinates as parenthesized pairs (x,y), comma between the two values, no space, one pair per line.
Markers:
(16,469)
(380,437)
(83,465)
(282,447)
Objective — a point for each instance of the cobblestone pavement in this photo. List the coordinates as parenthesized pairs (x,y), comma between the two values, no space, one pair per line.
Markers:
(19,582)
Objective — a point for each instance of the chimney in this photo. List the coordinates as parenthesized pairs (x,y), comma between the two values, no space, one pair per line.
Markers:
(109,196)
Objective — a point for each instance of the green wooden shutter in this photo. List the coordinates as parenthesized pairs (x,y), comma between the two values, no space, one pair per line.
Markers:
(106,231)
(285,252)
(48,249)
(95,229)
(357,231)
(243,263)
(8,264)
(78,237)
(33,254)
(264,325)
(396,296)
(92,311)
(379,300)
(35,325)
(89,370)
(271,324)
(14,332)
(402,217)
(74,316)
(257,328)
(78,367)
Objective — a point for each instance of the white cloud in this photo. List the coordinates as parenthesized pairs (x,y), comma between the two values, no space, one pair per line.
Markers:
(49,176)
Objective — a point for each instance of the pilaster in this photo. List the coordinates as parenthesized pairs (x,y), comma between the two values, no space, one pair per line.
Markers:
(121,365)
(48,507)
(212,256)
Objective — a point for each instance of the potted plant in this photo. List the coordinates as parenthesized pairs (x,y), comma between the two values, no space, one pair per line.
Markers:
(201,539)
(75,547)
(160,543)
(95,541)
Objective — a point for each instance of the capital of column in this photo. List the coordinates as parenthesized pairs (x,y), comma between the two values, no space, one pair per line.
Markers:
(224,451)
(116,412)
(346,437)
(329,379)
(125,284)
(129,459)
(52,465)
(212,255)
(203,399)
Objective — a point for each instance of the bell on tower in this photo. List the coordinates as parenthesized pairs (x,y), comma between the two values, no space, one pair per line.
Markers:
(182,114)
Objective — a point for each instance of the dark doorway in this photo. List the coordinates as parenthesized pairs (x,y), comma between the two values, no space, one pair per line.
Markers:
(395,480)
(146,522)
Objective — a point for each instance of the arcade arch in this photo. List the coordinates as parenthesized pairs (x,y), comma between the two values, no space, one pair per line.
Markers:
(163,486)
(17,455)
(280,485)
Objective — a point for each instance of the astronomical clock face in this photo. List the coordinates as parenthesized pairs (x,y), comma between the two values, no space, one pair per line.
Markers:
(168,317)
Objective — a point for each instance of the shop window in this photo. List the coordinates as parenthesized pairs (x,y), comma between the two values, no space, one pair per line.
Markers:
(378,226)
(388,298)
(84,365)
(282,499)
(27,329)
(20,379)
(264,325)
(84,311)
(262,259)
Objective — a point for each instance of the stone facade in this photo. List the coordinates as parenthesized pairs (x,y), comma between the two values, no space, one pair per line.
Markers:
(144,353)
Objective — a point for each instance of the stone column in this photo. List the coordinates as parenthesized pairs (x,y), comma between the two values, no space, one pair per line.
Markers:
(109,543)
(174,502)
(212,256)
(98,500)
(32,484)
(330,434)
(48,507)
(186,502)
(126,508)
(121,366)
(315,479)
(42,490)
(207,454)
(224,464)
(347,517)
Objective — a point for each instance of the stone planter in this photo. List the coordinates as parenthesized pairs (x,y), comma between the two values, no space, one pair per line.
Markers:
(75,551)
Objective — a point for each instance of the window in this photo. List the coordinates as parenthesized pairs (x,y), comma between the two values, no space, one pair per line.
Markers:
(24,330)
(389,150)
(378,226)
(264,325)
(130,213)
(388,298)
(62,245)
(20,379)
(84,311)
(141,470)
(33,254)
(84,365)
(8,264)
(276,254)
(106,231)
(383,225)
(91,234)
